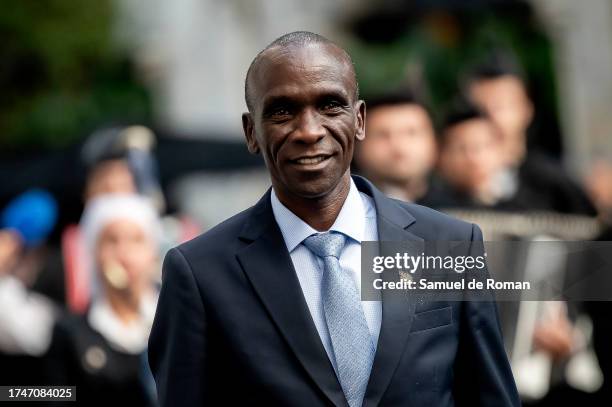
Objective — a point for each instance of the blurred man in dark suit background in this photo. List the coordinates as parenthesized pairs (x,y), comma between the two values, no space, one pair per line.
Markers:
(471,160)
(498,88)
(400,150)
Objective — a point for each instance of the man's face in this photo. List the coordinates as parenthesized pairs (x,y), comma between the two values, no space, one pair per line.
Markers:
(505,100)
(305,118)
(400,144)
(110,177)
(470,156)
(599,185)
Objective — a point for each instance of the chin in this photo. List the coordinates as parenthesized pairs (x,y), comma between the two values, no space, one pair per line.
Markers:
(311,191)
(315,188)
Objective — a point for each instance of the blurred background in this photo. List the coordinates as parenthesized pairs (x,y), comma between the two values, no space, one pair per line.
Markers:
(120,133)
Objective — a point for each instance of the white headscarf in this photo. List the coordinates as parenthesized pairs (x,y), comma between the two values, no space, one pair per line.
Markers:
(106,209)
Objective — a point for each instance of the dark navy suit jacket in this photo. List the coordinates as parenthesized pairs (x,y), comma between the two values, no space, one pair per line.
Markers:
(233,328)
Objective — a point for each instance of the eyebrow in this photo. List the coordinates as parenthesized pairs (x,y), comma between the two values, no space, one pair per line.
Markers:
(276,101)
(338,94)
(272,101)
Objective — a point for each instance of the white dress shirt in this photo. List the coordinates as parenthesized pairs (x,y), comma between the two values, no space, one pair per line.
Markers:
(356,220)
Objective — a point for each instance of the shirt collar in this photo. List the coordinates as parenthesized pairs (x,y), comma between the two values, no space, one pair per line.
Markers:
(350,220)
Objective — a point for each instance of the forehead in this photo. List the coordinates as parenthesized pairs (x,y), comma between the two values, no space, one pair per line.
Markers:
(111,165)
(471,131)
(507,84)
(121,225)
(303,71)
(404,113)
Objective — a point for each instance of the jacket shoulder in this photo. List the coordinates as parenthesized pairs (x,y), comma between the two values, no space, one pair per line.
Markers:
(435,225)
(218,237)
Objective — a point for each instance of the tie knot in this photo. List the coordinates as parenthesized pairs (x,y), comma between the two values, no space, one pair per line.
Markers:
(326,244)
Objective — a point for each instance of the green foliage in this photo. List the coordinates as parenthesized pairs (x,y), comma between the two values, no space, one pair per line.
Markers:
(61,74)
(437,49)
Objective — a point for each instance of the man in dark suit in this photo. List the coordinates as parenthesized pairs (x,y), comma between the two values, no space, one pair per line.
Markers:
(499,88)
(264,309)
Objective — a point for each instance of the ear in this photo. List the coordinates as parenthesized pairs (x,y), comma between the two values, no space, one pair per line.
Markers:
(360,108)
(249,133)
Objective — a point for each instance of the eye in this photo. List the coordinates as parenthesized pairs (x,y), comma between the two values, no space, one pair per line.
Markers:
(332,106)
(279,113)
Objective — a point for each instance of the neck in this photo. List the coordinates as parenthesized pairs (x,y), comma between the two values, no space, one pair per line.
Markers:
(321,212)
(127,308)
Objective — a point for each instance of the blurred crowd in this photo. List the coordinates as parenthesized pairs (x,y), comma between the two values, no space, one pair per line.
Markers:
(475,162)
(476,158)
(79,312)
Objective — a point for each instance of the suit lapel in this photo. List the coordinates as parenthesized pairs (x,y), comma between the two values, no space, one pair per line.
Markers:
(268,266)
(397,309)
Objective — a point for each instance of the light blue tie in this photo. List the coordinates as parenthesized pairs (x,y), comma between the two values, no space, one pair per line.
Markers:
(352,344)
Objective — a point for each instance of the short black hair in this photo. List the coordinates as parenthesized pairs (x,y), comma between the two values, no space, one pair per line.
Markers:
(104,144)
(294,39)
(495,65)
(399,97)
(459,111)
(403,96)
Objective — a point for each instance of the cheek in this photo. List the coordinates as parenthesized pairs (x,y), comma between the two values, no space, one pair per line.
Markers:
(409,149)
(375,150)
(105,253)
(424,147)
(143,255)
(454,166)
(494,162)
(387,154)
(446,158)
(343,132)
(273,143)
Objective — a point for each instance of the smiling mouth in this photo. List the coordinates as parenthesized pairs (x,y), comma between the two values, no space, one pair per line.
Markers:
(311,160)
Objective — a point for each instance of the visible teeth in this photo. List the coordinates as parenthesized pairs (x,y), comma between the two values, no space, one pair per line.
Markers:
(311,160)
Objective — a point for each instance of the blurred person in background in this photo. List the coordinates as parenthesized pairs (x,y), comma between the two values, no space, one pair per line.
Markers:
(560,337)
(599,186)
(540,183)
(498,87)
(104,157)
(399,151)
(470,160)
(118,160)
(101,352)
(26,317)
(472,163)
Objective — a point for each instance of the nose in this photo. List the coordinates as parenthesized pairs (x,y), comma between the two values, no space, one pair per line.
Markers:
(309,129)
(123,251)
(396,141)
